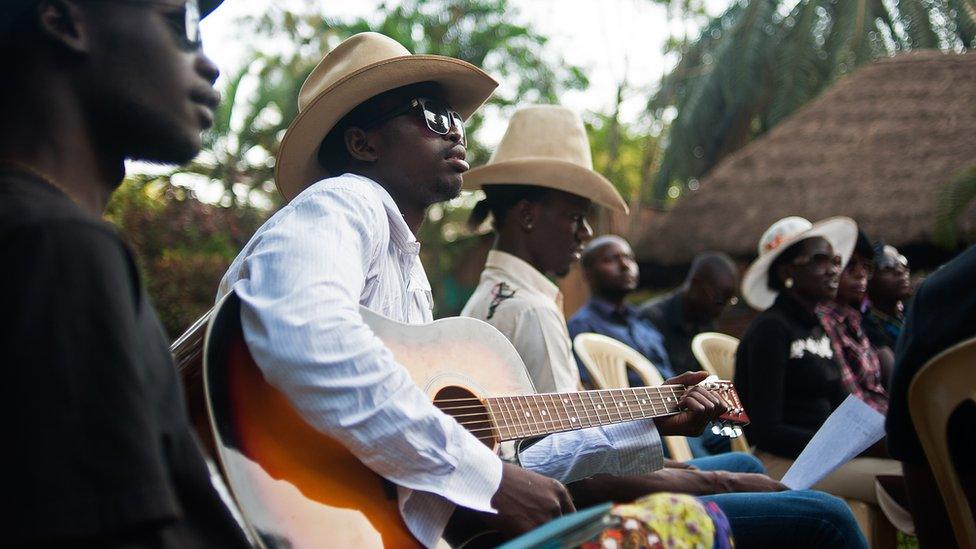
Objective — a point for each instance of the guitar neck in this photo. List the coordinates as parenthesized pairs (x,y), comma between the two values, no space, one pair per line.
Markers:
(516,417)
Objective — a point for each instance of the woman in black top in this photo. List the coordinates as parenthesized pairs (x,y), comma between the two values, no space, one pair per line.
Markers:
(785,369)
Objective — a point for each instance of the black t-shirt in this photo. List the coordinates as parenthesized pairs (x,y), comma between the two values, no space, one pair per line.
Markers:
(942,314)
(787,378)
(667,314)
(99,450)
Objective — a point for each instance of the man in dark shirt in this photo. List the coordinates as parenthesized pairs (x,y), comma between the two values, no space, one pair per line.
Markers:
(691,309)
(942,314)
(101,452)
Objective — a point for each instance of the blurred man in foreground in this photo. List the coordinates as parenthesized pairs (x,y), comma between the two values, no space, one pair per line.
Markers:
(101,450)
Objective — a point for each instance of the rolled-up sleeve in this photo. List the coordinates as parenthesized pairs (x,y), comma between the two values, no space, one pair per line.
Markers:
(624,449)
(300,286)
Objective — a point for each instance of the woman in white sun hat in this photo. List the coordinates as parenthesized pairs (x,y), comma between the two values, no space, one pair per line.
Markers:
(785,368)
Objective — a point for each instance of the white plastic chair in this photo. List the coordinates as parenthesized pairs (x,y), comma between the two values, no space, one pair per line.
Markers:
(716,353)
(607,360)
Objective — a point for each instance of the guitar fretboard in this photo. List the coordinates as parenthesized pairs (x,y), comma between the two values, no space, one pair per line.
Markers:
(522,416)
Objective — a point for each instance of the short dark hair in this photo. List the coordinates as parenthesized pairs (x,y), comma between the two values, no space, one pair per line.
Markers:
(589,251)
(333,155)
(709,264)
(789,254)
(500,199)
(863,246)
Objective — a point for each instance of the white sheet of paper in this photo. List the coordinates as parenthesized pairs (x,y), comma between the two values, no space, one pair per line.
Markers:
(852,428)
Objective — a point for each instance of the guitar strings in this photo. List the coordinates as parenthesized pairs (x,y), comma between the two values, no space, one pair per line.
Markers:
(500,407)
(546,428)
(539,403)
(631,390)
(620,413)
(515,423)
(505,415)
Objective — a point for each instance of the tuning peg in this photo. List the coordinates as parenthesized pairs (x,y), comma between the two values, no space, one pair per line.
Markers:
(716,430)
(737,431)
(727,431)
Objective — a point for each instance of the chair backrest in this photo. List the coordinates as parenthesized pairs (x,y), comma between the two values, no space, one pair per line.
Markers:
(938,389)
(716,353)
(607,360)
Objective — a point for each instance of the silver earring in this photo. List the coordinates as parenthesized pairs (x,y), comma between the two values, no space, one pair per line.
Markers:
(528,226)
(788,283)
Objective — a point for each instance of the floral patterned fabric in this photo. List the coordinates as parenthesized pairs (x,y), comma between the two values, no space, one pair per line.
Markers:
(664,521)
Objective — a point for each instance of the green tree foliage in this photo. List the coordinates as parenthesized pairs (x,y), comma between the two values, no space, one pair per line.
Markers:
(261,98)
(762,59)
(957,197)
(183,245)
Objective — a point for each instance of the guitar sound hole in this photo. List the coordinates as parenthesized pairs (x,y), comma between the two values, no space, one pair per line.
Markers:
(468,410)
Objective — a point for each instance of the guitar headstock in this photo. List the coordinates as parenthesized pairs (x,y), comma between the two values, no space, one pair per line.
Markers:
(730,423)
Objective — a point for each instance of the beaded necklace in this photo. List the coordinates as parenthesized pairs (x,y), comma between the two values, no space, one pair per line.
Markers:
(38,174)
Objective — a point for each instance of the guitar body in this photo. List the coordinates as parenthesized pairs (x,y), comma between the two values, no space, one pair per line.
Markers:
(297,487)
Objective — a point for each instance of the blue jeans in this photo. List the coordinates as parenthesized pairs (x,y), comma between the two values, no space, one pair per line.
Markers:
(709,444)
(796,518)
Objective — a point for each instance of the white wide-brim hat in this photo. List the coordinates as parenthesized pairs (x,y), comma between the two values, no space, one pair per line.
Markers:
(841,232)
(361,67)
(546,146)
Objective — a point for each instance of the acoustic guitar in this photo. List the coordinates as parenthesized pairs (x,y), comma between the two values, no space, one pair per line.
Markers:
(297,487)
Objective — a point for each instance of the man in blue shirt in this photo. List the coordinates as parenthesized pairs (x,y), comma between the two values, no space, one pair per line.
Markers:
(611,272)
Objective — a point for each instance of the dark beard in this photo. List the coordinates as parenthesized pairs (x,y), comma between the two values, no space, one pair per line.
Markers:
(445,190)
(143,133)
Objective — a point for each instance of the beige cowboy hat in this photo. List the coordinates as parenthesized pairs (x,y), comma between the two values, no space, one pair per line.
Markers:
(364,66)
(546,145)
(841,232)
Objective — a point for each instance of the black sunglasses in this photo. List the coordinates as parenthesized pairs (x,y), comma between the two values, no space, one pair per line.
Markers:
(820,261)
(185,23)
(439,118)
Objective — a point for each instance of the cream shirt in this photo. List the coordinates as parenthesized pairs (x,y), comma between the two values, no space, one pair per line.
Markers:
(526,307)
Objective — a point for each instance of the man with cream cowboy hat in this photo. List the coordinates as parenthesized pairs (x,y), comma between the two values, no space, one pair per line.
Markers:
(379,137)
(539,187)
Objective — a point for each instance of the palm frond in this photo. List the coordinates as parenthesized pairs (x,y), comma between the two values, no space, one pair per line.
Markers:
(734,82)
(955,198)
(800,68)
(914,16)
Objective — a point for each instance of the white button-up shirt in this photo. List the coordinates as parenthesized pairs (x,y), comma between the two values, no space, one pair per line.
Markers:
(527,307)
(340,244)
(343,243)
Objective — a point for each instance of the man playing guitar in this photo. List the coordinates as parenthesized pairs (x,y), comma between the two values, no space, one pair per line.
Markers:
(379,138)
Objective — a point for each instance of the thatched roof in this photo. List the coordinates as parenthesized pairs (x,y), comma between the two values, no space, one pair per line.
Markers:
(877,146)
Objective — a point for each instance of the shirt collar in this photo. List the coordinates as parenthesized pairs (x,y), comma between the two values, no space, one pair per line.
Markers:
(522,274)
(842,314)
(400,234)
(605,309)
